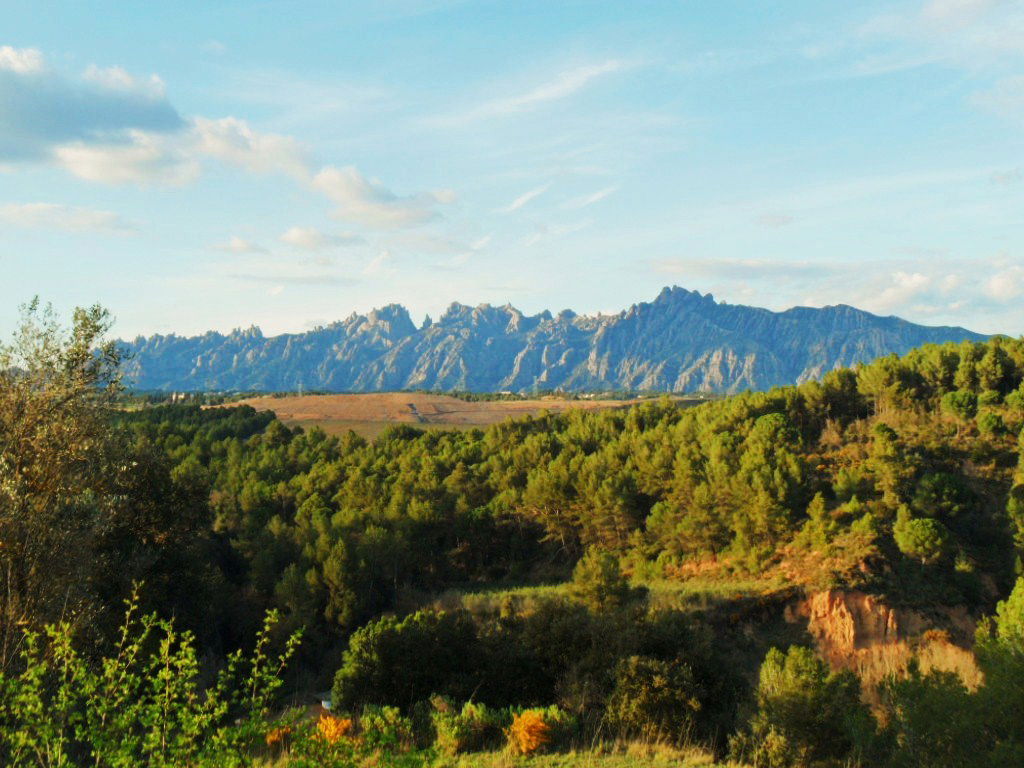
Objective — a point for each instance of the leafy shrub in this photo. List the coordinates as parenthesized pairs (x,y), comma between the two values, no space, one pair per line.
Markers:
(991,423)
(654,699)
(386,728)
(922,538)
(402,661)
(475,727)
(961,403)
(598,583)
(143,704)
(929,721)
(805,715)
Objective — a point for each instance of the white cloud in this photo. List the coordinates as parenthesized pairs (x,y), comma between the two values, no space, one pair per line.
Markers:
(41,110)
(586,200)
(310,239)
(238,244)
(235,142)
(905,287)
(950,283)
(107,125)
(146,158)
(24,61)
(118,79)
(368,202)
(524,198)
(64,217)
(561,86)
(1006,285)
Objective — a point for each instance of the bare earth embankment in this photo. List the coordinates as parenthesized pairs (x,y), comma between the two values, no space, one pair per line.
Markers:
(369,414)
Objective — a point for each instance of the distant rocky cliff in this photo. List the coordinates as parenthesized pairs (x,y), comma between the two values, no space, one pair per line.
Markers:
(680,342)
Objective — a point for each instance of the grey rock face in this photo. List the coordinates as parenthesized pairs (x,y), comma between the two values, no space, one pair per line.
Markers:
(681,342)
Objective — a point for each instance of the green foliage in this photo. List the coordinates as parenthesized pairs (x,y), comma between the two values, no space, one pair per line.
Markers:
(930,723)
(900,476)
(991,423)
(473,728)
(961,404)
(392,661)
(806,716)
(1010,618)
(598,583)
(654,699)
(921,538)
(141,704)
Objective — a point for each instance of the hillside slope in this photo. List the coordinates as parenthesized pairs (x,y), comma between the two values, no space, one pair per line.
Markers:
(681,342)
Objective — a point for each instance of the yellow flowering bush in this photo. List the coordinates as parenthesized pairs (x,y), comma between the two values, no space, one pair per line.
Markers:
(331,729)
(529,732)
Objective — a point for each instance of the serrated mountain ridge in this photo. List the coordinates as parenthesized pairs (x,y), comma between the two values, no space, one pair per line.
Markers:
(682,341)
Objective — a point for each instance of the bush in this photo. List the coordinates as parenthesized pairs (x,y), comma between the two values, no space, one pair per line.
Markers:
(654,700)
(540,729)
(991,423)
(474,728)
(143,704)
(805,715)
(961,403)
(922,538)
(400,662)
(529,732)
(930,723)
(598,583)
(386,728)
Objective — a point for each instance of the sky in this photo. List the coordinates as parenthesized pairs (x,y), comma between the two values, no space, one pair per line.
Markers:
(195,165)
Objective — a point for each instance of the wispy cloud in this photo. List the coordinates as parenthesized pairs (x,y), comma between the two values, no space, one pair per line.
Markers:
(310,239)
(63,217)
(545,231)
(561,86)
(236,244)
(740,268)
(277,281)
(524,198)
(379,265)
(774,220)
(583,201)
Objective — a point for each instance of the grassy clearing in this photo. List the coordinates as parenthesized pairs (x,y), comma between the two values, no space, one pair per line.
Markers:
(615,756)
(694,594)
(701,593)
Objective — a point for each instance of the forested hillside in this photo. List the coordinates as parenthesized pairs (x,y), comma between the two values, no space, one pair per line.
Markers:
(902,479)
(680,342)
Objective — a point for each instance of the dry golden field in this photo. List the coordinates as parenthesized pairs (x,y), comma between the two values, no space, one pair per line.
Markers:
(369,414)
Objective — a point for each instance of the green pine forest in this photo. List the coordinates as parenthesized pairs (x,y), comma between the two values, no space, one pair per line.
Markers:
(179,585)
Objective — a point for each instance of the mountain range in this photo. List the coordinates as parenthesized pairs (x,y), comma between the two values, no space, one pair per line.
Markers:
(682,341)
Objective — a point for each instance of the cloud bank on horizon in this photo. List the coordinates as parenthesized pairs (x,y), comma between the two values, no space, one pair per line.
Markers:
(244,164)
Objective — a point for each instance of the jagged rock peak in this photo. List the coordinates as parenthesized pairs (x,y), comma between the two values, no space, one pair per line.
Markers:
(682,341)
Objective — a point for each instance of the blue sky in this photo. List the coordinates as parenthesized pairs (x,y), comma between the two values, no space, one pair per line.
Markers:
(197,165)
